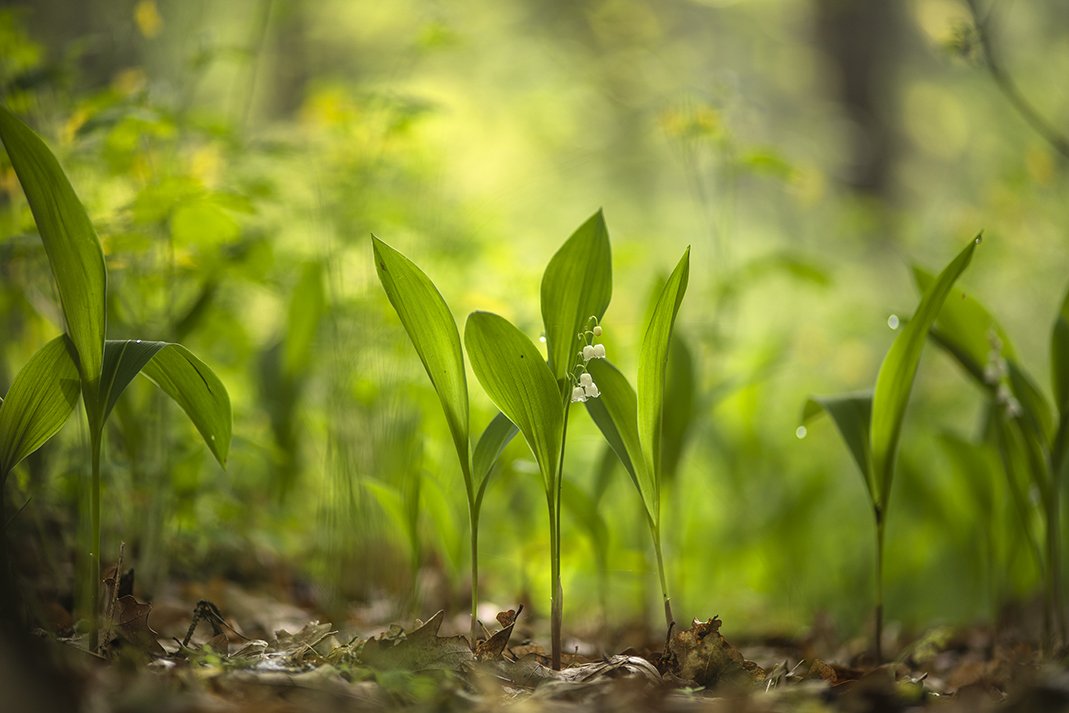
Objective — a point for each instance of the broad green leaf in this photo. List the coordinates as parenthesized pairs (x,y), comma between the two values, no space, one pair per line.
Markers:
(123,360)
(615,413)
(497,435)
(976,462)
(577,285)
(652,362)
(69,239)
(41,398)
(430,327)
(396,508)
(1059,358)
(520,384)
(964,328)
(680,391)
(585,513)
(895,380)
(852,416)
(196,388)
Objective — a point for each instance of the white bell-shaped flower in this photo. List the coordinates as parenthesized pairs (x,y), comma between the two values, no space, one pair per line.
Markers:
(589,353)
(578,395)
(597,330)
(599,351)
(585,379)
(591,390)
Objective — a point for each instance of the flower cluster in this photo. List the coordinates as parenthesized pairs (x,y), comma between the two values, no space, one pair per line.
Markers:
(996,374)
(584,386)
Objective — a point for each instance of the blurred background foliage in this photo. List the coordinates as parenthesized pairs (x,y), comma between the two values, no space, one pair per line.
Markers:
(236,156)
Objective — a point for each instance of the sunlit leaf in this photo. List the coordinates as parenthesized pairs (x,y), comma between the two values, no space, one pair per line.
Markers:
(499,432)
(615,413)
(38,403)
(852,416)
(519,383)
(680,391)
(652,362)
(200,393)
(895,380)
(430,327)
(577,284)
(69,239)
(306,307)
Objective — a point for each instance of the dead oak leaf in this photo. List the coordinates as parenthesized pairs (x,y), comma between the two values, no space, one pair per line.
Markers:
(131,621)
(421,650)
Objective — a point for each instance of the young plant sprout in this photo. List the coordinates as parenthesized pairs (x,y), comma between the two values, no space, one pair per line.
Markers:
(430,327)
(871,422)
(1031,444)
(633,423)
(104,367)
(535,394)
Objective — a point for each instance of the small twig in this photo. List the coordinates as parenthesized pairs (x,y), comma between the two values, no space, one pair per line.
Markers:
(1058,141)
(17,513)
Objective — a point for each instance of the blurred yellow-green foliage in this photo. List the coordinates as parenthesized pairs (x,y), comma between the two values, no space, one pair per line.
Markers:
(236,157)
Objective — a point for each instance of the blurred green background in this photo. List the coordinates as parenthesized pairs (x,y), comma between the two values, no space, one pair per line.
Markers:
(236,156)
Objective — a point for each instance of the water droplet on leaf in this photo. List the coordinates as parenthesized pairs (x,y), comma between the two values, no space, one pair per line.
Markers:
(801,432)
(893,321)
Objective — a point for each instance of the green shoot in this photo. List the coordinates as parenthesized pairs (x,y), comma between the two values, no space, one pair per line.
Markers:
(105,368)
(633,423)
(871,424)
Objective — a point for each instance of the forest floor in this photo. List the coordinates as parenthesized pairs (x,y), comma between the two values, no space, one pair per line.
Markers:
(223,647)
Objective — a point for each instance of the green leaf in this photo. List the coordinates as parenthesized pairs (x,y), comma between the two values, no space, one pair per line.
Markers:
(69,239)
(1059,358)
(499,432)
(680,391)
(519,383)
(196,388)
(964,328)
(615,413)
(40,399)
(895,380)
(123,360)
(852,416)
(307,305)
(652,362)
(577,285)
(430,327)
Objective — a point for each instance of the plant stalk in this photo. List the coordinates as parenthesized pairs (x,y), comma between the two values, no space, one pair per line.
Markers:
(669,620)
(92,581)
(474,520)
(556,602)
(879,585)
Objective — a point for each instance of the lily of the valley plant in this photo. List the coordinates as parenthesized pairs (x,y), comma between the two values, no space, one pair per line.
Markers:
(46,390)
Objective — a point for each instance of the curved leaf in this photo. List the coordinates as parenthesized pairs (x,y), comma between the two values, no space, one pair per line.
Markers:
(69,239)
(196,388)
(1059,358)
(895,379)
(40,399)
(430,327)
(576,285)
(123,360)
(681,387)
(652,362)
(615,413)
(499,432)
(852,415)
(519,383)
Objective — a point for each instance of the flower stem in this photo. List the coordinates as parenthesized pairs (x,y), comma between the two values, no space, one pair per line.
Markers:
(556,600)
(92,581)
(879,585)
(668,618)
(474,518)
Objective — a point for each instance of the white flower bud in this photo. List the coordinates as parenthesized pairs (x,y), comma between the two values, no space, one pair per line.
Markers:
(578,395)
(597,330)
(599,351)
(592,390)
(588,353)
(585,379)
